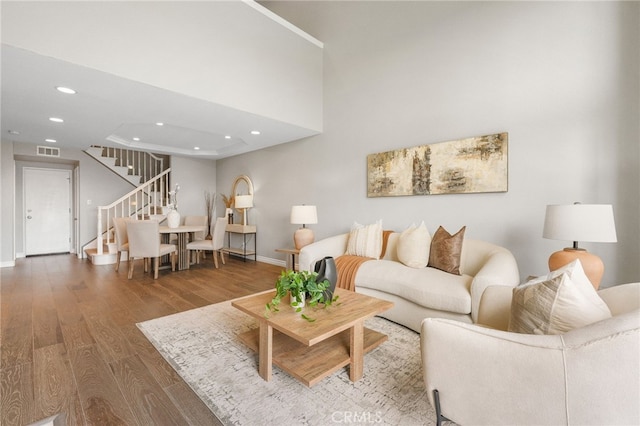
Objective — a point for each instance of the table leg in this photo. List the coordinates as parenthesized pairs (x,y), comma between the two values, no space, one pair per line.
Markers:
(183,253)
(356,351)
(265,358)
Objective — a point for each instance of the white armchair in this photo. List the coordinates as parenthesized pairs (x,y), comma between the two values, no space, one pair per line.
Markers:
(590,375)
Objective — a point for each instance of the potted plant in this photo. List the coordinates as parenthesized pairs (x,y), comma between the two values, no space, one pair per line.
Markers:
(301,285)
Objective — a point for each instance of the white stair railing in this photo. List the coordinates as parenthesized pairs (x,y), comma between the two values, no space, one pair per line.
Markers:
(141,163)
(147,200)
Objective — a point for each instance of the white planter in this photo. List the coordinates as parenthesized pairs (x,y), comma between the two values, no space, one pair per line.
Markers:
(297,305)
(173,218)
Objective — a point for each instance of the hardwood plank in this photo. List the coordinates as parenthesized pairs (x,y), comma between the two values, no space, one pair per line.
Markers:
(100,396)
(54,385)
(191,407)
(17,399)
(46,327)
(148,401)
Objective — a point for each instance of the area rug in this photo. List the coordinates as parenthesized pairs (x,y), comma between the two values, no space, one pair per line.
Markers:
(202,346)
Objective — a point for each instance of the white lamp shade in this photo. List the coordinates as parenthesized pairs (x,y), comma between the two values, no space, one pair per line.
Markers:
(303,215)
(580,222)
(243,201)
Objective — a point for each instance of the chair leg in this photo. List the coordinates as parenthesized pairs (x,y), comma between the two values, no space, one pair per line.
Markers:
(118,255)
(215,259)
(173,261)
(130,268)
(222,256)
(156,266)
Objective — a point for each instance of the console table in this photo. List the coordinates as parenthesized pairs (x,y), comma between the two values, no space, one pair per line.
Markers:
(244,230)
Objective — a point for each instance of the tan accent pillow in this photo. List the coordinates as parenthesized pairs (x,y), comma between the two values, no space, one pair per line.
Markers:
(365,240)
(413,246)
(446,250)
(563,300)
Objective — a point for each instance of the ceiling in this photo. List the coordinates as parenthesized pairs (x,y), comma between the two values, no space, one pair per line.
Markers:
(108,110)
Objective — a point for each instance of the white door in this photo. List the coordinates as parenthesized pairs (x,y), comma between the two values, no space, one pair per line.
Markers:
(47,208)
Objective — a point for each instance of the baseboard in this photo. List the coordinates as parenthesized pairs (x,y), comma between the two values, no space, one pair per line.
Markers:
(9,264)
(272,261)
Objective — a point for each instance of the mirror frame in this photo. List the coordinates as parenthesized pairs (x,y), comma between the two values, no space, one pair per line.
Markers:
(239,179)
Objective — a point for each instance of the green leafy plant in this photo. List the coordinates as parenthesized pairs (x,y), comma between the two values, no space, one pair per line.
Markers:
(300,285)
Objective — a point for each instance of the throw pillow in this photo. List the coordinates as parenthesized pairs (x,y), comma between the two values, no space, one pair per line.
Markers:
(413,246)
(366,240)
(563,300)
(446,249)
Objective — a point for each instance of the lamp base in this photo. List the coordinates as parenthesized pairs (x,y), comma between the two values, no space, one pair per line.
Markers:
(302,237)
(592,264)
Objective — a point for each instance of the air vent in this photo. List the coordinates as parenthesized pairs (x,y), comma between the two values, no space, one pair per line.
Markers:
(48,151)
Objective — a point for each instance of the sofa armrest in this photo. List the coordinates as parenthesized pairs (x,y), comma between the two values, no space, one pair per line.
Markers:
(621,298)
(495,307)
(484,376)
(333,246)
(500,269)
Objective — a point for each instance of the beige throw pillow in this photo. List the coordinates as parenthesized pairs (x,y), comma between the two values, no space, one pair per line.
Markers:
(413,246)
(446,250)
(366,240)
(563,300)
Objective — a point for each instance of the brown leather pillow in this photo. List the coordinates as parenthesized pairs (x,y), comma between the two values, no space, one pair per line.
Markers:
(446,250)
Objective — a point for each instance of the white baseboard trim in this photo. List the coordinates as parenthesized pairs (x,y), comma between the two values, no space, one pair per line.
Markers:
(272,261)
(8,264)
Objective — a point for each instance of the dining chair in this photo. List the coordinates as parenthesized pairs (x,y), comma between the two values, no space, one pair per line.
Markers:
(197,221)
(144,242)
(122,241)
(214,245)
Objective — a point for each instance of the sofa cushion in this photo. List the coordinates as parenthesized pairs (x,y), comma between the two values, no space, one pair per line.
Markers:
(446,250)
(563,300)
(365,240)
(413,246)
(428,287)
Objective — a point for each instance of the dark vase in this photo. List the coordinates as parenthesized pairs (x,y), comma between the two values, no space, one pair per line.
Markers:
(326,269)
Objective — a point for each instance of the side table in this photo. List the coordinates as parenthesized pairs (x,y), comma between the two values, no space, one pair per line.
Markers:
(244,230)
(293,253)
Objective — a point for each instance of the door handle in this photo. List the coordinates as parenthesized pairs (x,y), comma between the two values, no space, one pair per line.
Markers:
(29,217)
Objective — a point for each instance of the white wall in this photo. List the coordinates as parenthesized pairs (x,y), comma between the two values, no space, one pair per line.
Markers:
(195,176)
(561,77)
(7,189)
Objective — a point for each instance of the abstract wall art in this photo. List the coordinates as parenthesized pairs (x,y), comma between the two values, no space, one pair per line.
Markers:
(464,166)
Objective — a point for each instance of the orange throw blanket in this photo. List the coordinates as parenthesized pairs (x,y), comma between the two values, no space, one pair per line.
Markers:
(347,265)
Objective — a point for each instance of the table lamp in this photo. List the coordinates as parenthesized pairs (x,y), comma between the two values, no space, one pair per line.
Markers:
(303,215)
(580,222)
(243,202)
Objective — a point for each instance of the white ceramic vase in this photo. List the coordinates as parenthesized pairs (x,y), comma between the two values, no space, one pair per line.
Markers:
(296,305)
(173,218)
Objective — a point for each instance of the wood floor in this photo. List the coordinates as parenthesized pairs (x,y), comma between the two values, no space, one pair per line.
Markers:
(69,341)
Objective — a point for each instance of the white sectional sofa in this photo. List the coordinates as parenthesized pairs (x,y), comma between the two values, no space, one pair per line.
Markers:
(424,292)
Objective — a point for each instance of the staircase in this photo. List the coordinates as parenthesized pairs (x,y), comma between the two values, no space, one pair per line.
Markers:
(147,201)
(136,167)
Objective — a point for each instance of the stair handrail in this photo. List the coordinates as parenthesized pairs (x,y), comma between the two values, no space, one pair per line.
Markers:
(134,203)
(136,160)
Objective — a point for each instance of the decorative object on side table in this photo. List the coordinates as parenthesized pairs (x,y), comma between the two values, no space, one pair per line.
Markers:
(173,216)
(210,206)
(228,203)
(300,286)
(580,222)
(303,215)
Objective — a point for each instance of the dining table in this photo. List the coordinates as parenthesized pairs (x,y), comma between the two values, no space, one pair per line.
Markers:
(185,233)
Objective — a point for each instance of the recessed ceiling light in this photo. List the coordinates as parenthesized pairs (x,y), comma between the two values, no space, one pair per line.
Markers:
(196,148)
(14,132)
(56,119)
(159,123)
(227,137)
(51,140)
(130,167)
(66,90)
(136,139)
(255,132)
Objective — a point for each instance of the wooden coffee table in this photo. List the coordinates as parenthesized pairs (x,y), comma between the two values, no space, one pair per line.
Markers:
(310,351)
